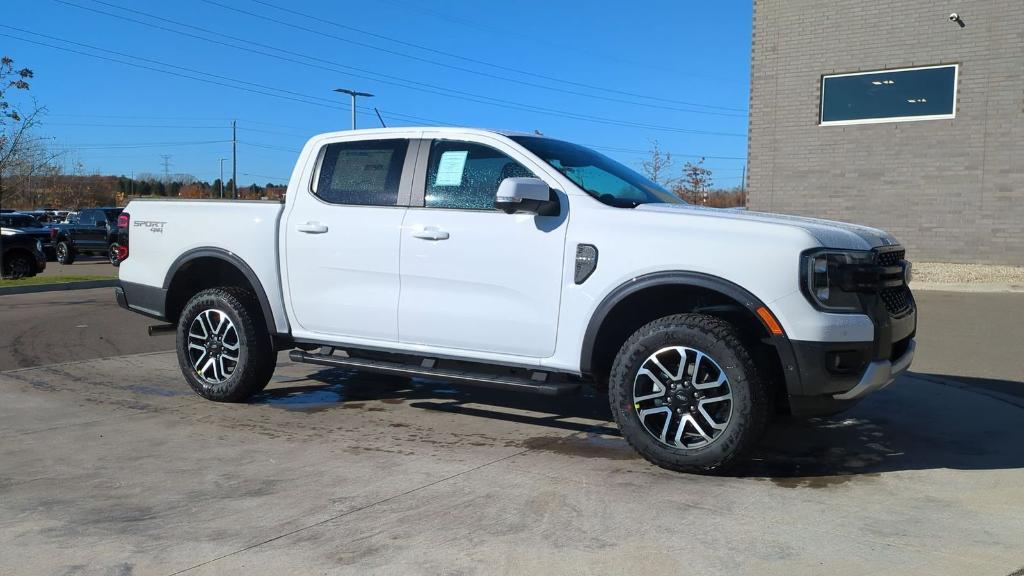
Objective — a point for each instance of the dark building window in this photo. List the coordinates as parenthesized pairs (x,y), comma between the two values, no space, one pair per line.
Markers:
(889,96)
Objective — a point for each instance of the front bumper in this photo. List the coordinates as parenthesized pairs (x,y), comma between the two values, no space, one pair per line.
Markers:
(879,374)
(829,377)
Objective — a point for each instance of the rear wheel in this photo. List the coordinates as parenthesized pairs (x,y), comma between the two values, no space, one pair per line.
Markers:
(686,394)
(64,253)
(224,350)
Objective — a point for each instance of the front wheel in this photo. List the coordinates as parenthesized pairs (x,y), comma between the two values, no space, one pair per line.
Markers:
(18,266)
(687,395)
(224,349)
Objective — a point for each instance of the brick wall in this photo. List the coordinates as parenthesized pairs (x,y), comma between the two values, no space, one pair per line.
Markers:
(950,190)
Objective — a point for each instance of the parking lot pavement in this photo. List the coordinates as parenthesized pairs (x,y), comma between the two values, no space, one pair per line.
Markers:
(53,327)
(83,266)
(112,466)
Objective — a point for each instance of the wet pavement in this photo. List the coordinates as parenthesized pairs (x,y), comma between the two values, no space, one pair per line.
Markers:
(113,466)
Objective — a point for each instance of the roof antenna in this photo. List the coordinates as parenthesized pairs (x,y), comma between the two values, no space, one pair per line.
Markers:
(538,132)
(379,117)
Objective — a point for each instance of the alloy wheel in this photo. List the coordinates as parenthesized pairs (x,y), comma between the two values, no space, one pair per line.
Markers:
(213,346)
(682,397)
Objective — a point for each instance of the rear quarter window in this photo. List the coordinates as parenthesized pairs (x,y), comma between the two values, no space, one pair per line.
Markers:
(363,173)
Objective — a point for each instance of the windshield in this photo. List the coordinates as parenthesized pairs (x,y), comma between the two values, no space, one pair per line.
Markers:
(598,175)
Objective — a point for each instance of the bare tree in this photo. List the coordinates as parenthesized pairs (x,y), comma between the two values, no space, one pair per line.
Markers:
(658,165)
(15,123)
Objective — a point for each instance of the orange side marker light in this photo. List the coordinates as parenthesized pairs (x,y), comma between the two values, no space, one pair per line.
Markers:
(769,321)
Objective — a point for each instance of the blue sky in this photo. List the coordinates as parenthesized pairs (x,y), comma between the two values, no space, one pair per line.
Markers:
(614,75)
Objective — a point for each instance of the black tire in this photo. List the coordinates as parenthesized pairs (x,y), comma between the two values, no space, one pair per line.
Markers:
(112,254)
(256,357)
(65,255)
(18,265)
(748,413)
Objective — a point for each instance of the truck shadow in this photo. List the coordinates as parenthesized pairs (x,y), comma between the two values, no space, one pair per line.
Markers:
(921,422)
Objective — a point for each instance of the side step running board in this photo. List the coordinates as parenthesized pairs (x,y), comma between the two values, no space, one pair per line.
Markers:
(482,379)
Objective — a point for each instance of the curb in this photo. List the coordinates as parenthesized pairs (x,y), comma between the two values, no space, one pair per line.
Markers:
(975,287)
(84,285)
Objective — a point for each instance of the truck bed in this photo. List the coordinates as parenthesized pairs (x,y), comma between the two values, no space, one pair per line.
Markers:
(163,231)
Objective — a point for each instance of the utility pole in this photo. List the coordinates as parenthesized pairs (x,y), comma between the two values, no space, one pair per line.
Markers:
(234,159)
(353,94)
(222,177)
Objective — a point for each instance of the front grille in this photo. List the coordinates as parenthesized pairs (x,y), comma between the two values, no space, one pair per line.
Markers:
(890,258)
(896,300)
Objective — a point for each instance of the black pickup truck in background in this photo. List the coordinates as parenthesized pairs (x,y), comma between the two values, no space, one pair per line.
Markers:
(29,225)
(95,232)
(22,255)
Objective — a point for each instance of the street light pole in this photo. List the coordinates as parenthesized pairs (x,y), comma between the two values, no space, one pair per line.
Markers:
(353,94)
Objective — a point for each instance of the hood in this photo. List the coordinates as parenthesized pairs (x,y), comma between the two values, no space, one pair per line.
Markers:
(33,230)
(829,233)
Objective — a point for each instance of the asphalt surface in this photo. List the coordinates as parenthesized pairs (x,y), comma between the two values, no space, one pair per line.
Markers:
(112,466)
(83,266)
(55,327)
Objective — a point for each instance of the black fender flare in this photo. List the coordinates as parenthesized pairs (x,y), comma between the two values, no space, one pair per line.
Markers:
(685,279)
(234,260)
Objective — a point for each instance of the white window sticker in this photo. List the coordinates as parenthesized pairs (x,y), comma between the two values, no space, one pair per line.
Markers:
(449,170)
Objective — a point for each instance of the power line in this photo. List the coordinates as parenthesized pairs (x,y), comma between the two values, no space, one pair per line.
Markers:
(140,145)
(322,20)
(180,75)
(264,176)
(390,79)
(680,154)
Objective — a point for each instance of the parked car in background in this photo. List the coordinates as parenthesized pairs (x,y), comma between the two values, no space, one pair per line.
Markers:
(30,225)
(95,232)
(22,254)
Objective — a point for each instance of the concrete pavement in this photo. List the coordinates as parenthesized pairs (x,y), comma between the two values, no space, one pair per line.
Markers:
(113,466)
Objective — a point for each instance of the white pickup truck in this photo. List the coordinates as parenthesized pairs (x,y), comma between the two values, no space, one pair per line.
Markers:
(526,263)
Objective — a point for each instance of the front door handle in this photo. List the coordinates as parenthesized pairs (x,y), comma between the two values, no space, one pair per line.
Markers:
(312,228)
(430,233)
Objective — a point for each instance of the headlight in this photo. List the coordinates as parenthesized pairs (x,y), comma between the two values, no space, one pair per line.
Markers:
(831,278)
(39,245)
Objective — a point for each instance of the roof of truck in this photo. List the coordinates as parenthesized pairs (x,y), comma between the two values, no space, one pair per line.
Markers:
(441,129)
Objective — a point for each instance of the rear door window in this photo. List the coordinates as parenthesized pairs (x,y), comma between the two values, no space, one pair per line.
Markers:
(363,173)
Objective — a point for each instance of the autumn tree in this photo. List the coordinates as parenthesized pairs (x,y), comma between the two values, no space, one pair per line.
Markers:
(695,183)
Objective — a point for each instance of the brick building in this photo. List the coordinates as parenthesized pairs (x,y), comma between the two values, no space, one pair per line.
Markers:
(892,114)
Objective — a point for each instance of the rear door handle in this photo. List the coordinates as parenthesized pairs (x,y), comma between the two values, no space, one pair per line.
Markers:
(430,233)
(312,228)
